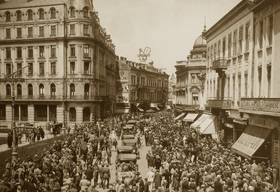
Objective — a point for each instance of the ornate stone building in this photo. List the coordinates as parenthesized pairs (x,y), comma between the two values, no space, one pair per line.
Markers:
(65,61)
(141,85)
(190,78)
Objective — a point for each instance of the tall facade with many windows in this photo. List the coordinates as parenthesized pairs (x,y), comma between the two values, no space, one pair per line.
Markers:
(142,86)
(243,79)
(62,57)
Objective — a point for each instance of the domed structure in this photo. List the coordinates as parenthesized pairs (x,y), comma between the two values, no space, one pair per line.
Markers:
(200,41)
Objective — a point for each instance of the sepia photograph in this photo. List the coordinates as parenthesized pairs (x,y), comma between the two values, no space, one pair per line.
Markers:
(139,95)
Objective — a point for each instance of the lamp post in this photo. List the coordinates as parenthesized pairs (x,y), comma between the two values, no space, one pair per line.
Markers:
(12,79)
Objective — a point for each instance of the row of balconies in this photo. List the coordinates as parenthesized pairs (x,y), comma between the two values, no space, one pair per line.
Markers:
(271,105)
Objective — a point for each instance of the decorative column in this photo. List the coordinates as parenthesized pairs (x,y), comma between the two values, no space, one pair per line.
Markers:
(79,112)
(48,113)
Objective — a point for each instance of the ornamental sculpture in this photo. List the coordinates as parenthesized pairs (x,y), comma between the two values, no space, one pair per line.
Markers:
(144,54)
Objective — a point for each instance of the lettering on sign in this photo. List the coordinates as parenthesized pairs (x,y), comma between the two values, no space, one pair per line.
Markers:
(268,105)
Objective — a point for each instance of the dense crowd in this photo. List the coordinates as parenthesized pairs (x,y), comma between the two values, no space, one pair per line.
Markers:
(80,162)
(181,159)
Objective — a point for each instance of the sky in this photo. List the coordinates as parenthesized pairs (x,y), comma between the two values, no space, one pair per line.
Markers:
(168,27)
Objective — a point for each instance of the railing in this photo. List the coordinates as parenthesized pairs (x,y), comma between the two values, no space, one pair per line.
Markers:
(187,107)
(261,104)
(219,63)
(218,103)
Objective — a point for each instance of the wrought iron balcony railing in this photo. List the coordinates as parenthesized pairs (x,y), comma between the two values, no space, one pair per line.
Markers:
(220,64)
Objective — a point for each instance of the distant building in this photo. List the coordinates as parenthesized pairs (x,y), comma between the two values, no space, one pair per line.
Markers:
(70,60)
(190,78)
(172,90)
(142,86)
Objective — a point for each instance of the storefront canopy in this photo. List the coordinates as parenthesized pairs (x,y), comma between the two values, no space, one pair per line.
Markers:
(180,116)
(198,121)
(250,141)
(190,117)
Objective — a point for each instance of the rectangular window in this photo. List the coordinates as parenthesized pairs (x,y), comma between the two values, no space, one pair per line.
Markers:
(41,31)
(72,29)
(86,51)
(8,53)
(270,30)
(246,84)
(30,32)
(53,51)
(224,47)
(240,41)
(261,34)
(8,33)
(229,45)
(72,67)
(30,69)
(72,51)
(30,52)
(19,69)
(247,36)
(239,87)
(41,51)
(2,112)
(269,81)
(86,30)
(53,30)
(19,33)
(233,88)
(234,43)
(260,80)
(8,69)
(41,69)
(19,52)
(53,68)
(86,67)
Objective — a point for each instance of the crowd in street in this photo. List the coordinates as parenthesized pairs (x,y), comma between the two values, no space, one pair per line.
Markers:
(180,159)
(80,162)
(183,160)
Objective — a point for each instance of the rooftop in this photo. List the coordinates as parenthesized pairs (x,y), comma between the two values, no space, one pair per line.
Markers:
(9,4)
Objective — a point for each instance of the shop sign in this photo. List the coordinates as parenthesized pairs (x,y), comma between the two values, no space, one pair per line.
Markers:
(266,105)
(263,122)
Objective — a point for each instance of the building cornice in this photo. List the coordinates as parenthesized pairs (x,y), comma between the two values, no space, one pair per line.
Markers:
(228,17)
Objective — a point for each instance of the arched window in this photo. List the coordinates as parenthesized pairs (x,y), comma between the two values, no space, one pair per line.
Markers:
(29,15)
(30,90)
(86,12)
(19,90)
(53,13)
(8,90)
(72,90)
(41,90)
(86,114)
(41,14)
(86,90)
(72,114)
(72,12)
(18,15)
(53,89)
(8,16)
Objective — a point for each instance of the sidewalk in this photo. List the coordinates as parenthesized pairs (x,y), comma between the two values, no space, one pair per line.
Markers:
(4,147)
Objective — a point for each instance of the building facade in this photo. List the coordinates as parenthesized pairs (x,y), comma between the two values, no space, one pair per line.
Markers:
(190,75)
(142,86)
(65,62)
(230,50)
(242,81)
(172,90)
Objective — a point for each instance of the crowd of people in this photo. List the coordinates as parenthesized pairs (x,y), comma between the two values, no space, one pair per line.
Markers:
(80,162)
(180,159)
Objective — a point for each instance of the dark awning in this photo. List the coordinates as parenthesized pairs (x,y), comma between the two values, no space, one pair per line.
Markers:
(250,141)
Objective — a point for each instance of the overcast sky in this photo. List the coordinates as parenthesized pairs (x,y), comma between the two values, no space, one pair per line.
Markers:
(169,27)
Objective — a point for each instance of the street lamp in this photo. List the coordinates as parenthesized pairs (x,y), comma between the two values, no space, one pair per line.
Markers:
(11,77)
